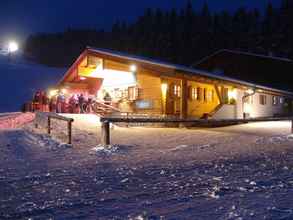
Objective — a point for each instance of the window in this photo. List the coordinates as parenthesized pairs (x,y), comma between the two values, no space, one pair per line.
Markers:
(225,95)
(275,100)
(262,99)
(194,93)
(199,93)
(132,93)
(177,91)
(205,94)
(210,95)
(281,100)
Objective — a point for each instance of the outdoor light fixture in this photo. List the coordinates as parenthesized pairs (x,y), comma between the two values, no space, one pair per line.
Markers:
(52,93)
(250,91)
(133,68)
(12,46)
(232,94)
(64,91)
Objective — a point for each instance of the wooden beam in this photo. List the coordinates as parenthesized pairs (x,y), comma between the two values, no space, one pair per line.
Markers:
(105,133)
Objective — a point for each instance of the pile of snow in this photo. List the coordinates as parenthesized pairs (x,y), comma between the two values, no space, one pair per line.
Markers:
(21,79)
(102,149)
(15,120)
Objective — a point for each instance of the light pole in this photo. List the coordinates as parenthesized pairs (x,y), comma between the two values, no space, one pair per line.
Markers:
(12,47)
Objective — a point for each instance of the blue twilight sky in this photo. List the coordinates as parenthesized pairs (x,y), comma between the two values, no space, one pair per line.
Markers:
(19,18)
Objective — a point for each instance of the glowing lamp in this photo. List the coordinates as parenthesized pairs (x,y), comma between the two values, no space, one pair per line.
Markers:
(64,91)
(12,46)
(133,68)
(82,78)
(250,91)
(52,93)
(232,94)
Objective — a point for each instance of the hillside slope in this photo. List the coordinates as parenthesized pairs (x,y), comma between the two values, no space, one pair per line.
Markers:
(20,79)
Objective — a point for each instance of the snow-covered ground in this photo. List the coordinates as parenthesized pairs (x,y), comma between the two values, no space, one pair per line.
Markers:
(20,79)
(236,172)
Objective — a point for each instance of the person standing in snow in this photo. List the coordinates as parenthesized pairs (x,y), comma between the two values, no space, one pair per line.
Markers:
(72,104)
(60,103)
(81,102)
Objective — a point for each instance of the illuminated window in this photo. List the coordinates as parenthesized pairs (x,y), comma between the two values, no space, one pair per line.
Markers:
(275,100)
(262,99)
(132,93)
(177,91)
(210,95)
(194,93)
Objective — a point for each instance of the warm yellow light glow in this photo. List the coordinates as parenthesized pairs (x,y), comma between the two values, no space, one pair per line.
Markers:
(82,78)
(232,94)
(64,91)
(250,91)
(12,46)
(133,68)
(53,93)
(164,88)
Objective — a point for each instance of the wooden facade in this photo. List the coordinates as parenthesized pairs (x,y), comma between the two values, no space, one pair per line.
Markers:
(159,89)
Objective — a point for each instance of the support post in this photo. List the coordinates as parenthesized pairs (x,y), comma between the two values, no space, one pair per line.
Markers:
(292,126)
(105,133)
(69,123)
(49,125)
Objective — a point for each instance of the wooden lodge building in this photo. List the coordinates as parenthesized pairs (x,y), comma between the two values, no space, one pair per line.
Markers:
(148,87)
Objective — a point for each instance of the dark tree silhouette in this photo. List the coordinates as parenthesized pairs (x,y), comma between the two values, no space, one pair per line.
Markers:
(181,37)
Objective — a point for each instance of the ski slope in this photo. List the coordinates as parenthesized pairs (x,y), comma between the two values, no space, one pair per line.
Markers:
(20,79)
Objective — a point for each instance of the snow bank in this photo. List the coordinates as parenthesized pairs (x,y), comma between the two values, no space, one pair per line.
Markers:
(15,120)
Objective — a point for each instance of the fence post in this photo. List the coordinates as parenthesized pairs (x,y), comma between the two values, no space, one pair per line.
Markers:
(105,133)
(69,131)
(49,125)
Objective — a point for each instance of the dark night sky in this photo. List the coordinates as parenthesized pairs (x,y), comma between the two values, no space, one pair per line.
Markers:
(18,18)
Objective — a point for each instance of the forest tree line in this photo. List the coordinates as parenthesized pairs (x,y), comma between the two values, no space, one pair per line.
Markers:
(178,36)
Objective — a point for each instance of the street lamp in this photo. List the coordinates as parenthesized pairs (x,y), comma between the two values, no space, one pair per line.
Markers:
(12,47)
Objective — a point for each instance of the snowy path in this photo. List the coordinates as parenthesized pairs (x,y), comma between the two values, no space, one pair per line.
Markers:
(218,173)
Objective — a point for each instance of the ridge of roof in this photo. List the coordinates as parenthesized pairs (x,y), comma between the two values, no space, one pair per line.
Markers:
(182,68)
(256,55)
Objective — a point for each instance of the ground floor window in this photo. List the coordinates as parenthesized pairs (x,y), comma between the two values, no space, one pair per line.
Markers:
(193,93)
(199,94)
(210,95)
(132,93)
(262,99)
(275,100)
(225,95)
(177,91)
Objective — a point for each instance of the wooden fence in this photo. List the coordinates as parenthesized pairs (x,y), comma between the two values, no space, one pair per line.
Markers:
(43,118)
(105,123)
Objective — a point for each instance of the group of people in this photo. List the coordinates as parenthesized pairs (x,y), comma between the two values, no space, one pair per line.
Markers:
(60,104)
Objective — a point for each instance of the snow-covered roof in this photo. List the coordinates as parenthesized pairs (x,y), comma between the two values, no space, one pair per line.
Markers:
(186,69)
